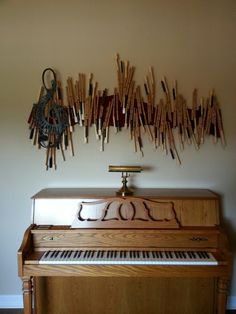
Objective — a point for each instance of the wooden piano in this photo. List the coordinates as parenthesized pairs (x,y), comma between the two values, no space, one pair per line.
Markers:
(158,251)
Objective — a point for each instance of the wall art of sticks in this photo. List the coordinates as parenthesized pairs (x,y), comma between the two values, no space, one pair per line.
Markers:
(53,118)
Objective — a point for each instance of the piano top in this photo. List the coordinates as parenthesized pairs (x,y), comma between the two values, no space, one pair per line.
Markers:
(191,207)
(92,193)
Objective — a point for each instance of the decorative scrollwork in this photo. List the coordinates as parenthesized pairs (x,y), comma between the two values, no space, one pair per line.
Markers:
(130,212)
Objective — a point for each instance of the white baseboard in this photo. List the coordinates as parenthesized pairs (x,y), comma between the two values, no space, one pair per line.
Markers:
(231,304)
(13,301)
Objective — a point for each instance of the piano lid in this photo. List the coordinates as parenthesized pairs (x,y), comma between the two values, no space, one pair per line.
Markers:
(91,193)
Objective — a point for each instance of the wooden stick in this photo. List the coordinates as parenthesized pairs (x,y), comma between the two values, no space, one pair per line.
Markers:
(175,100)
(167,95)
(220,124)
(173,149)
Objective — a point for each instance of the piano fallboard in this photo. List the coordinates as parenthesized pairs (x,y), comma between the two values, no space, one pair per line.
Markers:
(62,237)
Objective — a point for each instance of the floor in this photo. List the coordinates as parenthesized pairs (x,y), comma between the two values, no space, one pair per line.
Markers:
(15,311)
(11,311)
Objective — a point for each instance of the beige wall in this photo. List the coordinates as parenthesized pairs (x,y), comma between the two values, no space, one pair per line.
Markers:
(191,41)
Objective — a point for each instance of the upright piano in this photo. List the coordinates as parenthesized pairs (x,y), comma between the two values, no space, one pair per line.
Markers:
(157,251)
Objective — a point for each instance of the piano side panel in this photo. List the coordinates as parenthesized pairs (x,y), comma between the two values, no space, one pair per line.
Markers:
(25,249)
(125,295)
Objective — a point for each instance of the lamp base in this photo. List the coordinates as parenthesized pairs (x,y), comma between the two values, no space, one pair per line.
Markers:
(124,190)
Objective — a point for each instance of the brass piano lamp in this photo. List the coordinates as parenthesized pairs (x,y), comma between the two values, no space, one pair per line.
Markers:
(124,190)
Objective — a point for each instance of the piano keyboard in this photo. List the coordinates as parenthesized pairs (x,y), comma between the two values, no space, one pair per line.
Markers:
(115,257)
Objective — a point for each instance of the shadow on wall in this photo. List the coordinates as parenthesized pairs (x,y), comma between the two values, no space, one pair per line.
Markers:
(228,226)
(231,233)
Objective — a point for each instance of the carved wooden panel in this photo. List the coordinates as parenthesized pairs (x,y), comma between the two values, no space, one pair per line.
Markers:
(130,212)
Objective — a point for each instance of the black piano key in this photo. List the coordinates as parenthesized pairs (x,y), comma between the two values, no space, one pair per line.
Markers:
(53,254)
(70,254)
(176,254)
(63,254)
(203,255)
(66,254)
(73,254)
(47,253)
(189,255)
(56,254)
(76,254)
(207,255)
(200,255)
(194,255)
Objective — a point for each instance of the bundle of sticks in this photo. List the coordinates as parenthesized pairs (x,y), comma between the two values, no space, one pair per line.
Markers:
(135,108)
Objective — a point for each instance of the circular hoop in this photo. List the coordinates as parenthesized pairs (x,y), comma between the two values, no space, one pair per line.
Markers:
(54,78)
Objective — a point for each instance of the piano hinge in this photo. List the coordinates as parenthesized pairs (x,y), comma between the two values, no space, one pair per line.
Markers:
(199,239)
